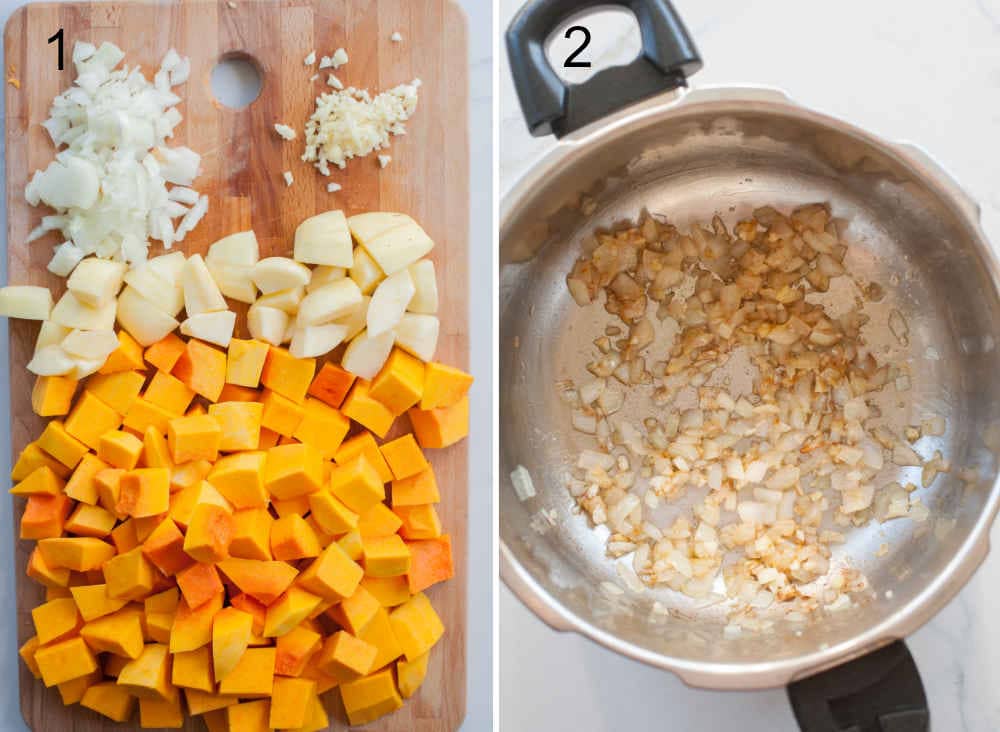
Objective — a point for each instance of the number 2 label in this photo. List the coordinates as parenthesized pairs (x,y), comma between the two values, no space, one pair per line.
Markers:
(571,62)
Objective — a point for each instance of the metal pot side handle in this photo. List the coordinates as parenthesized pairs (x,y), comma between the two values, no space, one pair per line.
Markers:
(550,106)
(878,692)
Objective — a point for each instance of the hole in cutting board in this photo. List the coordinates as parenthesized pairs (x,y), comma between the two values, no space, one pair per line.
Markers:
(236,80)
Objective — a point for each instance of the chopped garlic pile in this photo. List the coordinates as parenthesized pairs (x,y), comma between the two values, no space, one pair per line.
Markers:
(109,182)
(350,123)
(777,471)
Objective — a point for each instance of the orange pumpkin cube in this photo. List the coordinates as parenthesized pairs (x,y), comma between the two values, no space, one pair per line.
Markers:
(443,426)
(287,375)
(331,384)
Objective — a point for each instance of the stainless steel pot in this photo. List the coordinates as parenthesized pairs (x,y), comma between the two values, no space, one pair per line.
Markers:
(689,155)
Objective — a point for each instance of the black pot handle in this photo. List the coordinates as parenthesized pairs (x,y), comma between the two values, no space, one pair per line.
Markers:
(550,106)
(880,692)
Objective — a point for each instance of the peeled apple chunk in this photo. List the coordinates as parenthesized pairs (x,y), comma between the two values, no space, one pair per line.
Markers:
(72,313)
(51,334)
(201,294)
(234,280)
(143,320)
(51,361)
(425,299)
(239,249)
(365,271)
(26,302)
(324,239)
(280,273)
(93,345)
(214,327)
(96,282)
(316,340)
(418,334)
(169,266)
(267,324)
(329,302)
(365,356)
(324,275)
(394,240)
(389,302)
(285,300)
(357,318)
(84,367)
(155,285)
(66,256)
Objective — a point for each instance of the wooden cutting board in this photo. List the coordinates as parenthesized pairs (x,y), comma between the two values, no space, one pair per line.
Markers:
(242,164)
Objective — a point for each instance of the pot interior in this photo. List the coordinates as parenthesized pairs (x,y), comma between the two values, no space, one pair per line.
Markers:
(688,164)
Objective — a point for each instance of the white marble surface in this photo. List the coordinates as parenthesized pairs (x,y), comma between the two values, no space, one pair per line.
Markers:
(919,71)
(481,551)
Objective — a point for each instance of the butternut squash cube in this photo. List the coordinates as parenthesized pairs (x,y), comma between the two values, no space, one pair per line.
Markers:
(231,632)
(323,427)
(333,575)
(183,503)
(263,581)
(110,700)
(357,484)
(255,609)
(288,611)
(252,676)
(366,699)
(379,520)
(118,390)
(202,368)
(400,383)
(119,633)
(209,533)
(65,660)
(419,522)
(81,485)
(298,506)
(234,393)
(411,674)
(199,583)
(366,411)
(444,386)
(27,654)
(144,492)
(147,677)
(404,457)
(352,544)
(386,556)
(364,444)
(161,713)
(61,445)
(293,470)
(240,424)
(194,438)
(294,649)
(287,375)
(331,384)
(41,481)
(330,513)
(142,415)
(290,702)
(209,703)
(119,449)
(416,490)
(292,538)
(78,554)
(355,612)
(129,576)
(443,426)
(280,414)
(90,419)
(380,634)
(240,478)
(52,396)
(72,691)
(389,591)
(164,548)
(169,392)
(193,626)
(93,601)
(245,362)
(431,562)
(90,521)
(109,490)
(345,657)
(193,669)
(165,353)
(251,534)
(56,620)
(416,626)
(45,574)
(44,516)
(248,716)
(126,357)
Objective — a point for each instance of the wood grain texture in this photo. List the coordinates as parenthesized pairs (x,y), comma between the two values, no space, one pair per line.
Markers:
(242,163)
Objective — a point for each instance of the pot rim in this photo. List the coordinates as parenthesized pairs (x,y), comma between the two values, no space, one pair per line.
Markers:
(960,567)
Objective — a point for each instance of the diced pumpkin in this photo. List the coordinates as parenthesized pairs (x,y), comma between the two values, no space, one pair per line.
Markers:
(416,490)
(290,702)
(366,411)
(364,444)
(202,368)
(164,548)
(148,676)
(109,700)
(90,419)
(209,533)
(118,390)
(65,660)
(368,698)
(252,534)
(444,386)
(169,392)
(119,633)
(245,362)
(322,427)
(52,396)
(129,576)
(411,674)
(443,426)
(81,485)
(127,356)
(430,562)
(264,581)
(252,676)
(294,649)
(56,620)
(194,438)
(199,583)
(333,575)
(287,375)
(193,626)
(165,353)
(331,385)
(231,632)
(240,424)
(44,516)
(400,383)
(288,611)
